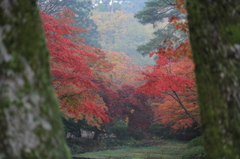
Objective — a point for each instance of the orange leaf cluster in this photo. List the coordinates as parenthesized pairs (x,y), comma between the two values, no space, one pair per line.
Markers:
(180,5)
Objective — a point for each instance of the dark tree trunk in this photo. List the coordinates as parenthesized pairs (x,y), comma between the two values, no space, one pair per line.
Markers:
(215,40)
(96,134)
(30,125)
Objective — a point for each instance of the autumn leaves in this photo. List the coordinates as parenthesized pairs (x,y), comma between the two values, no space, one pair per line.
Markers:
(92,83)
(85,78)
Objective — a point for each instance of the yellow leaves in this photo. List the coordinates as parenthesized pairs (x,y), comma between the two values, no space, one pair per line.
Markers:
(132,111)
(117,57)
(93,120)
(121,32)
(110,22)
(124,71)
(127,120)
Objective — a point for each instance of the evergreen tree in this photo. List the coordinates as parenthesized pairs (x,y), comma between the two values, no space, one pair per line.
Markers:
(83,10)
(132,6)
(156,12)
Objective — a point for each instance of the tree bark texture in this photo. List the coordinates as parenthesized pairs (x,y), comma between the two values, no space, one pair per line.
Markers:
(215,40)
(30,125)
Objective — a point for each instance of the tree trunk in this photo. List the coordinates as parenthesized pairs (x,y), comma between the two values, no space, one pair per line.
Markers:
(96,134)
(215,39)
(29,117)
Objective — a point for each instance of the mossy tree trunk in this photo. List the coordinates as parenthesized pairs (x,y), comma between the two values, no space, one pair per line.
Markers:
(215,40)
(30,125)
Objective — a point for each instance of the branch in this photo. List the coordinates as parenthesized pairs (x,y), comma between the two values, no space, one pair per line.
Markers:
(71,95)
(179,101)
(169,3)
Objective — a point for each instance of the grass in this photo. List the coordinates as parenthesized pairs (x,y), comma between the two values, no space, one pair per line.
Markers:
(166,149)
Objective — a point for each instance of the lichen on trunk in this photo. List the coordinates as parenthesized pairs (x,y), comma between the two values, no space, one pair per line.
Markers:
(215,42)
(29,117)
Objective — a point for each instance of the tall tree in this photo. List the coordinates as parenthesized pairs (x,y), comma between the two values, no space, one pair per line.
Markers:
(215,41)
(52,7)
(29,117)
(72,75)
(83,10)
(174,78)
(156,12)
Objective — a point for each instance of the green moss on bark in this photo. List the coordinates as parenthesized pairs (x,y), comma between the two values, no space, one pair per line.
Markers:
(29,117)
(216,54)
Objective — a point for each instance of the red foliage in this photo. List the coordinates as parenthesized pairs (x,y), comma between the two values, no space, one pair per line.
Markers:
(161,79)
(173,80)
(70,66)
(135,107)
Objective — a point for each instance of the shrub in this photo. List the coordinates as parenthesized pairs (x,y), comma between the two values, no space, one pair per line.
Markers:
(196,152)
(195,142)
(186,134)
(159,131)
(138,135)
(195,149)
(76,149)
(120,130)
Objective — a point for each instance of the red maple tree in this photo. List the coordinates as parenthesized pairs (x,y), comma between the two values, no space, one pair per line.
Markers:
(134,107)
(173,80)
(72,74)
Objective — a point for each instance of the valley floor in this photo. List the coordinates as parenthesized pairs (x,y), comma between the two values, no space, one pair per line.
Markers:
(162,149)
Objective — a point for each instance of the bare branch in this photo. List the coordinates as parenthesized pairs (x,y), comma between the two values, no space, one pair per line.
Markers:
(181,104)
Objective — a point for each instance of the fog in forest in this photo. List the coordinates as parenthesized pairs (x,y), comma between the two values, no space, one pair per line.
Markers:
(123,74)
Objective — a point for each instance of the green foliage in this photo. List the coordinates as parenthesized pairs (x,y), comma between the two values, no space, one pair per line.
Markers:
(138,135)
(185,134)
(79,145)
(232,33)
(164,149)
(83,10)
(157,130)
(195,142)
(157,12)
(70,125)
(110,143)
(74,126)
(196,152)
(195,149)
(120,130)
(75,149)
(157,41)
